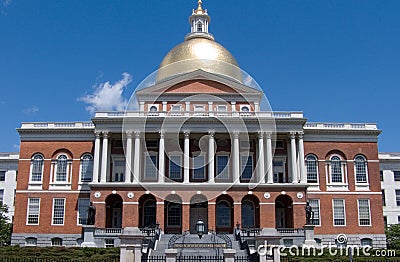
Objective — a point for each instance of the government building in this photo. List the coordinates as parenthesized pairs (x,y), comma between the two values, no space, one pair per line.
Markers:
(202,144)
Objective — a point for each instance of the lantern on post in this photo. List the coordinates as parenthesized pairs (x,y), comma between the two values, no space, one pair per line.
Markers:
(200,228)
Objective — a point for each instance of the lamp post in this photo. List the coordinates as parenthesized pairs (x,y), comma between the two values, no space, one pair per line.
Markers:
(200,228)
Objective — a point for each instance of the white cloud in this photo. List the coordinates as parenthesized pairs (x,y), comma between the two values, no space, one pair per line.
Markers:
(31,110)
(4,4)
(107,96)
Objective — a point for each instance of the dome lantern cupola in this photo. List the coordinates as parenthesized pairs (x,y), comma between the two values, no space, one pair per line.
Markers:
(199,21)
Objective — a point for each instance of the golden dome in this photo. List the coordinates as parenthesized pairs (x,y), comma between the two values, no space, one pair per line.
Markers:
(199,52)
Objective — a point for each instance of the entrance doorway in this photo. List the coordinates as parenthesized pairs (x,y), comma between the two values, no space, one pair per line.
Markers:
(114,211)
(284,212)
(173,214)
(198,211)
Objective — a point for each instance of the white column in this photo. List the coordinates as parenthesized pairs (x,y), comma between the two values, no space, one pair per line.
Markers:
(136,158)
(211,157)
(236,157)
(186,158)
(256,107)
(128,156)
(96,163)
(161,159)
(104,159)
(293,157)
(270,173)
(164,107)
(141,106)
(187,108)
(210,108)
(233,108)
(261,164)
(303,172)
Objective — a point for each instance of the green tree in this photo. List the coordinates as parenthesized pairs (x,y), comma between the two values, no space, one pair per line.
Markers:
(393,236)
(5,226)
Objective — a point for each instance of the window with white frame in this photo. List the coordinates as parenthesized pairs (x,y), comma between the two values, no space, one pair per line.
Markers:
(30,241)
(336,171)
(118,170)
(223,166)
(366,242)
(199,27)
(176,108)
(150,166)
(360,167)
(83,207)
(396,175)
(339,214)
(222,108)
(37,168)
(58,211)
(61,168)
(245,108)
(175,167)
(364,215)
(2,175)
(246,166)
(33,211)
(315,219)
(109,242)
(397,197)
(199,171)
(86,168)
(56,242)
(312,169)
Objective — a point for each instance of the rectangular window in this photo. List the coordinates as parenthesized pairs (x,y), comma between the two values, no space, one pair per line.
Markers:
(176,108)
(336,172)
(175,167)
(198,167)
(152,144)
(61,173)
(383,198)
(150,171)
(398,219)
(279,144)
(312,171)
(109,242)
(364,215)
(83,207)
(222,166)
(1,196)
(118,170)
(339,216)
(385,221)
(33,211)
(58,211)
(246,166)
(221,108)
(398,197)
(87,169)
(396,175)
(2,175)
(315,220)
(381,175)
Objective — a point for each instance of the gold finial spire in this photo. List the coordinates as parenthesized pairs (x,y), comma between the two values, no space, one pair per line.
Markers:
(199,8)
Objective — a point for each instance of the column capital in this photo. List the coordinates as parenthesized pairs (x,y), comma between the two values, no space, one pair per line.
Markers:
(210,102)
(164,102)
(233,102)
(137,134)
(129,134)
(260,134)
(161,133)
(300,134)
(268,134)
(211,133)
(186,134)
(235,134)
(292,135)
(105,134)
(97,134)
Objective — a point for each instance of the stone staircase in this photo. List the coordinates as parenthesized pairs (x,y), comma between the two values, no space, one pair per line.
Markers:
(186,239)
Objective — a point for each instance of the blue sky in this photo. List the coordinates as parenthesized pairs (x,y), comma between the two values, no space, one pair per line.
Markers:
(336,60)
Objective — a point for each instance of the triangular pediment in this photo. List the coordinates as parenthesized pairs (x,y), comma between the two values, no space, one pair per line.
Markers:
(199,82)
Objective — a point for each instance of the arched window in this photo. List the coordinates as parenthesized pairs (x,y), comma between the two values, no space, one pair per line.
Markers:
(174,214)
(366,242)
(86,168)
(149,213)
(31,241)
(37,168)
(360,166)
(248,214)
(199,27)
(223,214)
(62,164)
(312,169)
(153,109)
(245,109)
(56,242)
(336,170)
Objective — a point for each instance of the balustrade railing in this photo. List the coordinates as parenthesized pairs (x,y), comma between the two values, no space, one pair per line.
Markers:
(291,231)
(108,231)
